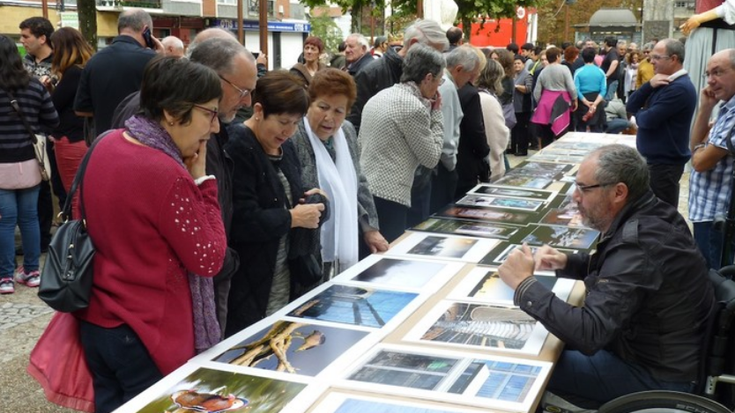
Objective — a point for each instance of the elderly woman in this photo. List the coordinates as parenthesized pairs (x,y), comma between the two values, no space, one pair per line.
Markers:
(328,151)
(490,86)
(313,48)
(522,88)
(157,226)
(401,129)
(555,93)
(591,85)
(20,177)
(273,217)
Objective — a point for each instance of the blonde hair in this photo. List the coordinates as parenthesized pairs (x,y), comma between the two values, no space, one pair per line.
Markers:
(70,49)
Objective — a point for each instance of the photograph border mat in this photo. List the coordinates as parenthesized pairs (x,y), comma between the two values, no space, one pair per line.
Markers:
(487,201)
(464,359)
(509,230)
(537,194)
(481,248)
(532,345)
(562,288)
(334,400)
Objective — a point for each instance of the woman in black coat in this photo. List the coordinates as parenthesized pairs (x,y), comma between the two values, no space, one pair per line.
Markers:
(272,213)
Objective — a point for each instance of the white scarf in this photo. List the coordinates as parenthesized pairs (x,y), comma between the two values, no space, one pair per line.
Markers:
(339,234)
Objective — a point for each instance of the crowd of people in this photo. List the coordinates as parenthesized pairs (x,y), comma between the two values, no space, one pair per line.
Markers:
(215,201)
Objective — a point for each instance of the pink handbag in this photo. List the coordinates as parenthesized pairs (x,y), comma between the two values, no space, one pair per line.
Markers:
(58,364)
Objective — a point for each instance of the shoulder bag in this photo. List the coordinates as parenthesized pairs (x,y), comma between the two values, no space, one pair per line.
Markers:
(39,142)
(66,278)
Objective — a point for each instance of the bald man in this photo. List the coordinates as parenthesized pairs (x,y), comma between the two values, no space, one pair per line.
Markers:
(173,46)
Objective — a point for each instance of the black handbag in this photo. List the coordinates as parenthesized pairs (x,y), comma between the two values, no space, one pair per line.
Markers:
(66,278)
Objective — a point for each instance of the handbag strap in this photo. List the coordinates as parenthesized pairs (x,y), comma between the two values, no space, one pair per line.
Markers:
(14,104)
(78,183)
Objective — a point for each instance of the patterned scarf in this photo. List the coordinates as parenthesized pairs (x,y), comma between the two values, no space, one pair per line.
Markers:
(206,327)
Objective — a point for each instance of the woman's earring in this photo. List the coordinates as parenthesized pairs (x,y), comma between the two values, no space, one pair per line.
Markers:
(170,124)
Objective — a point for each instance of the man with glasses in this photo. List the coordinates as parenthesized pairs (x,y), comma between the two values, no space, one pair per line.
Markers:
(647,293)
(710,184)
(663,110)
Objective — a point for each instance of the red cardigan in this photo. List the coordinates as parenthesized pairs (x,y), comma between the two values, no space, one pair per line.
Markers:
(150,224)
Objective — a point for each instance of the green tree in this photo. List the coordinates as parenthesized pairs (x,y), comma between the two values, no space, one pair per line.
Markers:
(87,10)
(326,29)
(353,6)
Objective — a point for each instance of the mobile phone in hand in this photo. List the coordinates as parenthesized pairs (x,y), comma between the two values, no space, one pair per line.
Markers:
(148,38)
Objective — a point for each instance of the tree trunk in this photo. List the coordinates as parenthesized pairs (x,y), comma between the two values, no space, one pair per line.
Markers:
(87,10)
(467,28)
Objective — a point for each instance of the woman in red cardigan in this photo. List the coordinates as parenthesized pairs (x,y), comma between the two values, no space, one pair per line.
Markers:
(153,215)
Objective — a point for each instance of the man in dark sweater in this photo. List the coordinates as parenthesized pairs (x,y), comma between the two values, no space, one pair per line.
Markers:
(663,108)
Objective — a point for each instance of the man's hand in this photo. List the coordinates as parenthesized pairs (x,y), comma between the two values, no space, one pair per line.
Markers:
(707,99)
(547,258)
(517,267)
(659,80)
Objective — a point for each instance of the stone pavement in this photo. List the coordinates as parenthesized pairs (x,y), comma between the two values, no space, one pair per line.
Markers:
(23,317)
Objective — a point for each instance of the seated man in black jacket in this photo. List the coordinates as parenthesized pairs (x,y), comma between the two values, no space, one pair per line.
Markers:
(648,295)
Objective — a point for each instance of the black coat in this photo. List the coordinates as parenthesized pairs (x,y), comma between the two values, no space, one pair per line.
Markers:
(378,75)
(473,147)
(261,217)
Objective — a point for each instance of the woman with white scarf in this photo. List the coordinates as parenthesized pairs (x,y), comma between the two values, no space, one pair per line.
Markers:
(329,156)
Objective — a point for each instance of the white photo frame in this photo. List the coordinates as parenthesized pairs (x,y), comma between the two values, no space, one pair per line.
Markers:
(443,247)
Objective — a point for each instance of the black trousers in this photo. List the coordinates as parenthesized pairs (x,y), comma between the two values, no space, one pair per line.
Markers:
(519,135)
(443,186)
(665,182)
(392,218)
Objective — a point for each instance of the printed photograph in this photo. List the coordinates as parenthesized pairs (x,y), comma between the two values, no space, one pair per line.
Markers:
(207,390)
(450,247)
(485,214)
(352,404)
(494,258)
(568,217)
(484,326)
(562,237)
(404,273)
(491,382)
(492,289)
(461,227)
(354,305)
(524,181)
(297,348)
(498,202)
(512,192)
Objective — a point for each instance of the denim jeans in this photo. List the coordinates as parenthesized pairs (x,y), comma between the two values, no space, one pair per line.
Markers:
(615,126)
(19,207)
(612,90)
(711,243)
(120,364)
(603,377)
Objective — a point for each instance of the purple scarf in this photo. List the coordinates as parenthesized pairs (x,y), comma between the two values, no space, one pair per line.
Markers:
(206,327)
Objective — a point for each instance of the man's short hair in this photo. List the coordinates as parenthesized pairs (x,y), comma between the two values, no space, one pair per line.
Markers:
(135,20)
(421,60)
(588,54)
(219,54)
(527,46)
(341,47)
(513,48)
(361,40)
(426,32)
(38,26)
(674,48)
(454,35)
(622,163)
(611,41)
(465,56)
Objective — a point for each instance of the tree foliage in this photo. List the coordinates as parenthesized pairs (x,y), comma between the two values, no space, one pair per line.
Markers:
(87,10)
(326,29)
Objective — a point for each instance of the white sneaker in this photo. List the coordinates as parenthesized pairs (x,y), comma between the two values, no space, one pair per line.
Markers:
(7,286)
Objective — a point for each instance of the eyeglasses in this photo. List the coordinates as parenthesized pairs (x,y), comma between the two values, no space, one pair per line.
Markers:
(659,57)
(213,112)
(715,73)
(243,92)
(441,79)
(586,188)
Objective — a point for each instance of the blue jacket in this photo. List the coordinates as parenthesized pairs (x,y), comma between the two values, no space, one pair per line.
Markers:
(664,117)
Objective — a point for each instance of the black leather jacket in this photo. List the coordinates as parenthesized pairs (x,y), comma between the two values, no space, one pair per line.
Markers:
(648,295)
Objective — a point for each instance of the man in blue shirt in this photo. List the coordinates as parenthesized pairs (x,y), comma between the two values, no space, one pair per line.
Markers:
(710,184)
(663,108)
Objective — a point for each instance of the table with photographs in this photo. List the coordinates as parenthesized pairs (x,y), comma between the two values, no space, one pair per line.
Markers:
(427,327)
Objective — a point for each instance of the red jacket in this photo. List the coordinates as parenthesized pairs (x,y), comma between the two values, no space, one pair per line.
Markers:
(150,224)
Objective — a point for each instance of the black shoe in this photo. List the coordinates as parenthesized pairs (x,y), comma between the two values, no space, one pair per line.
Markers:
(19,251)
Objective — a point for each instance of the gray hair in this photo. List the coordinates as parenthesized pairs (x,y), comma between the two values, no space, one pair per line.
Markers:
(135,20)
(173,41)
(427,32)
(621,163)
(491,77)
(420,60)
(674,48)
(219,54)
(362,40)
(464,56)
(206,34)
